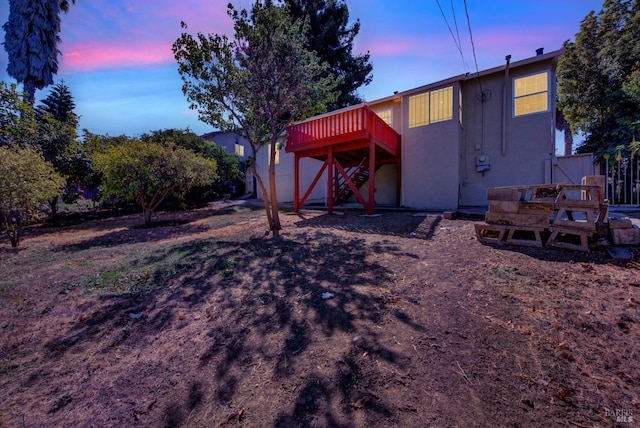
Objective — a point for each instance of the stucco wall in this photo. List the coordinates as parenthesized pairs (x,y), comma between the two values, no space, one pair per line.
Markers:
(430,161)
(285,179)
(385,186)
(526,155)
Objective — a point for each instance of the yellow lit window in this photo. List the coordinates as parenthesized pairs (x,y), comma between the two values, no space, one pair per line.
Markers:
(419,110)
(385,115)
(441,107)
(239,150)
(531,94)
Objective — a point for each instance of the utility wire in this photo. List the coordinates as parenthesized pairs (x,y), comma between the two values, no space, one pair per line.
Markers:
(475,59)
(456,41)
(455,21)
(473,46)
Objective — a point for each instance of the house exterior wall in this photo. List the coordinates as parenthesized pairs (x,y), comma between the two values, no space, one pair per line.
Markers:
(524,154)
(285,178)
(228,140)
(439,160)
(385,186)
(429,158)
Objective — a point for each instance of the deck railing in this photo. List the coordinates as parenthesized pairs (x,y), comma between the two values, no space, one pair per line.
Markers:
(345,126)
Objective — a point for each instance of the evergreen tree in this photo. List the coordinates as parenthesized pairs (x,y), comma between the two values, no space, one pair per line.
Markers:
(57,124)
(31,40)
(60,104)
(593,74)
(331,37)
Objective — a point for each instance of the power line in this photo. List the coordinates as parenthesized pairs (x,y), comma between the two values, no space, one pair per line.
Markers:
(473,46)
(456,41)
(455,21)
(482,94)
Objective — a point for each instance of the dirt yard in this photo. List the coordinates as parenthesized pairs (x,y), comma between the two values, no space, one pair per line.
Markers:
(205,321)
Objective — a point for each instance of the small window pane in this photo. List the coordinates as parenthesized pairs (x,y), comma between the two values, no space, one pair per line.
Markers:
(531,104)
(441,104)
(419,110)
(385,115)
(531,94)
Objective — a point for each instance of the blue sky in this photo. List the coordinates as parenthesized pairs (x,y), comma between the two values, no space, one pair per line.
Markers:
(118,64)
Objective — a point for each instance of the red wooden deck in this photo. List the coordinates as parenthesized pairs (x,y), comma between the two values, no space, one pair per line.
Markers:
(342,140)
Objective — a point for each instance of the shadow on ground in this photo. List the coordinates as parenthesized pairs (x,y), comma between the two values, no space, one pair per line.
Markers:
(254,304)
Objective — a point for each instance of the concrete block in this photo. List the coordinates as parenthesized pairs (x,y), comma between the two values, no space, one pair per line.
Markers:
(449,215)
(620,223)
(626,236)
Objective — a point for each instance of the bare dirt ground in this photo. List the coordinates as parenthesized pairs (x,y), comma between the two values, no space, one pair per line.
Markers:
(211,324)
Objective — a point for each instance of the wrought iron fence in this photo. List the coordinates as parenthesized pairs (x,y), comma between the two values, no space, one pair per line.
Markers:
(623,180)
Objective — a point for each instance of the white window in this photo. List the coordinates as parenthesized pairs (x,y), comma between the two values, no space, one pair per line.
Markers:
(419,110)
(531,94)
(239,150)
(385,114)
(441,107)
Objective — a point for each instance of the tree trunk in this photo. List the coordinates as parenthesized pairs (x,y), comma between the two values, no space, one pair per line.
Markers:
(263,190)
(568,141)
(15,234)
(53,203)
(29,91)
(147,212)
(275,215)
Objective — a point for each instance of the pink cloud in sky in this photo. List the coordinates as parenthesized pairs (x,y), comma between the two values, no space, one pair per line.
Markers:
(389,46)
(107,35)
(95,56)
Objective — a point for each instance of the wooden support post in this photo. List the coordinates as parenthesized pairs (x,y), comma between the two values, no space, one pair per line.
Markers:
(399,177)
(372,174)
(330,174)
(296,183)
(313,184)
(350,183)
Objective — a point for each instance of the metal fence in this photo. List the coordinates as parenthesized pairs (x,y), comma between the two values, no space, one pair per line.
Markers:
(623,181)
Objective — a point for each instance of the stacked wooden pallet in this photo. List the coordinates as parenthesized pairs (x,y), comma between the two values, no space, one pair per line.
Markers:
(553,215)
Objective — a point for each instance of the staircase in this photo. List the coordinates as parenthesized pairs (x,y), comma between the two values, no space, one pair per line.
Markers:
(358,175)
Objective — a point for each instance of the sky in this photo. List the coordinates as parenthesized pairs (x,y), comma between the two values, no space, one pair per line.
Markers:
(117,60)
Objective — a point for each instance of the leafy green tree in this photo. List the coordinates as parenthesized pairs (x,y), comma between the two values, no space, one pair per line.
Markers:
(331,37)
(148,173)
(256,85)
(228,168)
(593,74)
(31,40)
(26,182)
(17,118)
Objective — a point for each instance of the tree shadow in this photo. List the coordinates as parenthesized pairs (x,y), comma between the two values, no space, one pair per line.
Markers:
(403,224)
(264,303)
(136,234)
